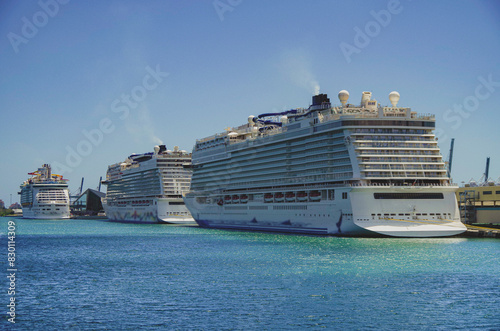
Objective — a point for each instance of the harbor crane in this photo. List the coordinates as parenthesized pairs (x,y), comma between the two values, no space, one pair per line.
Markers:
(450,157)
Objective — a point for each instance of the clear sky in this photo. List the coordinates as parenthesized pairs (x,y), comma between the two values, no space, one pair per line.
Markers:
(84,84)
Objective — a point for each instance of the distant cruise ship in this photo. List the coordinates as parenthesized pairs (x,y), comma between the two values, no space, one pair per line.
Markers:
(45,195)
(353,170)
(148,187)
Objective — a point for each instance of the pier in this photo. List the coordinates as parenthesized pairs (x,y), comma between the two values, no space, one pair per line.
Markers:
(481,232)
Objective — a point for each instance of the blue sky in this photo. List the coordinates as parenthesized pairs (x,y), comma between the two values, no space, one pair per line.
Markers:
(83,84)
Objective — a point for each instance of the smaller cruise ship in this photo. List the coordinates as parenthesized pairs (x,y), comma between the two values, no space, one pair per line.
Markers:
(148,187)
(45,195)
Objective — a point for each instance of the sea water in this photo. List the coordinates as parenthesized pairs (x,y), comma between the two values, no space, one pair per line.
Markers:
(101,275)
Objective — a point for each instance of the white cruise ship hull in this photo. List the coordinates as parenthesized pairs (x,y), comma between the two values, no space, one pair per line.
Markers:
(160,210)
(360,214)
(47,212)
(349,170)
(407,217)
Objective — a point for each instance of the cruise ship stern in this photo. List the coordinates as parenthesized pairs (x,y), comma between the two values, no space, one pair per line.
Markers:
(407,211)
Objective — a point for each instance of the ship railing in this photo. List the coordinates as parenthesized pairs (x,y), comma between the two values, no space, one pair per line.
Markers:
(359,115)
(212,137)
(368,138)
(365,113)
(359,112)
(399,144)
(392,114)
(243,138)
(281,187)
(403,185)
(396,152)
(329,117)
(64,181)
(406,132)
(423,116)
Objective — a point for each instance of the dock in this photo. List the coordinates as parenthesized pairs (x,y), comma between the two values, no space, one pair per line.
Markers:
(481,232)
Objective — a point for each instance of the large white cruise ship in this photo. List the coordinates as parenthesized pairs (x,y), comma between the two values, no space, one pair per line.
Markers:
(148,187)
(45,195)
(351,170)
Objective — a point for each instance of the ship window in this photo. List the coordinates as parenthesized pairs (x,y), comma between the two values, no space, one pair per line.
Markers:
(497,192)
(409,196)
(344,195)
(486,192)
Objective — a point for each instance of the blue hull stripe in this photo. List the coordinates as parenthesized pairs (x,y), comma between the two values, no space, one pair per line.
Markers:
(205,224)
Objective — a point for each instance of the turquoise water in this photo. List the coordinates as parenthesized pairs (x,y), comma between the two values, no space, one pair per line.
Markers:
(99,275)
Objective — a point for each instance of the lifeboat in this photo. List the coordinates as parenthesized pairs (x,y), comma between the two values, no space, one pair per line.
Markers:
(236,199)
(268,197)
(227,199)
(301,196)
(244,198)
(290,196)
(279,197)
(315,196)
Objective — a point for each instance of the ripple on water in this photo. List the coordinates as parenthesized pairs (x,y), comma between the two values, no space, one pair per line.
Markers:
(100,275)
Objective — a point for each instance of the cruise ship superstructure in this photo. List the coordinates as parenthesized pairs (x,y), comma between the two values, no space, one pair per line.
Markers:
(45,195)
(353,170)
(148,187)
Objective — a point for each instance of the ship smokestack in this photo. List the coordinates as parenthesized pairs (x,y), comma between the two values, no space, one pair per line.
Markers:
(320,101)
